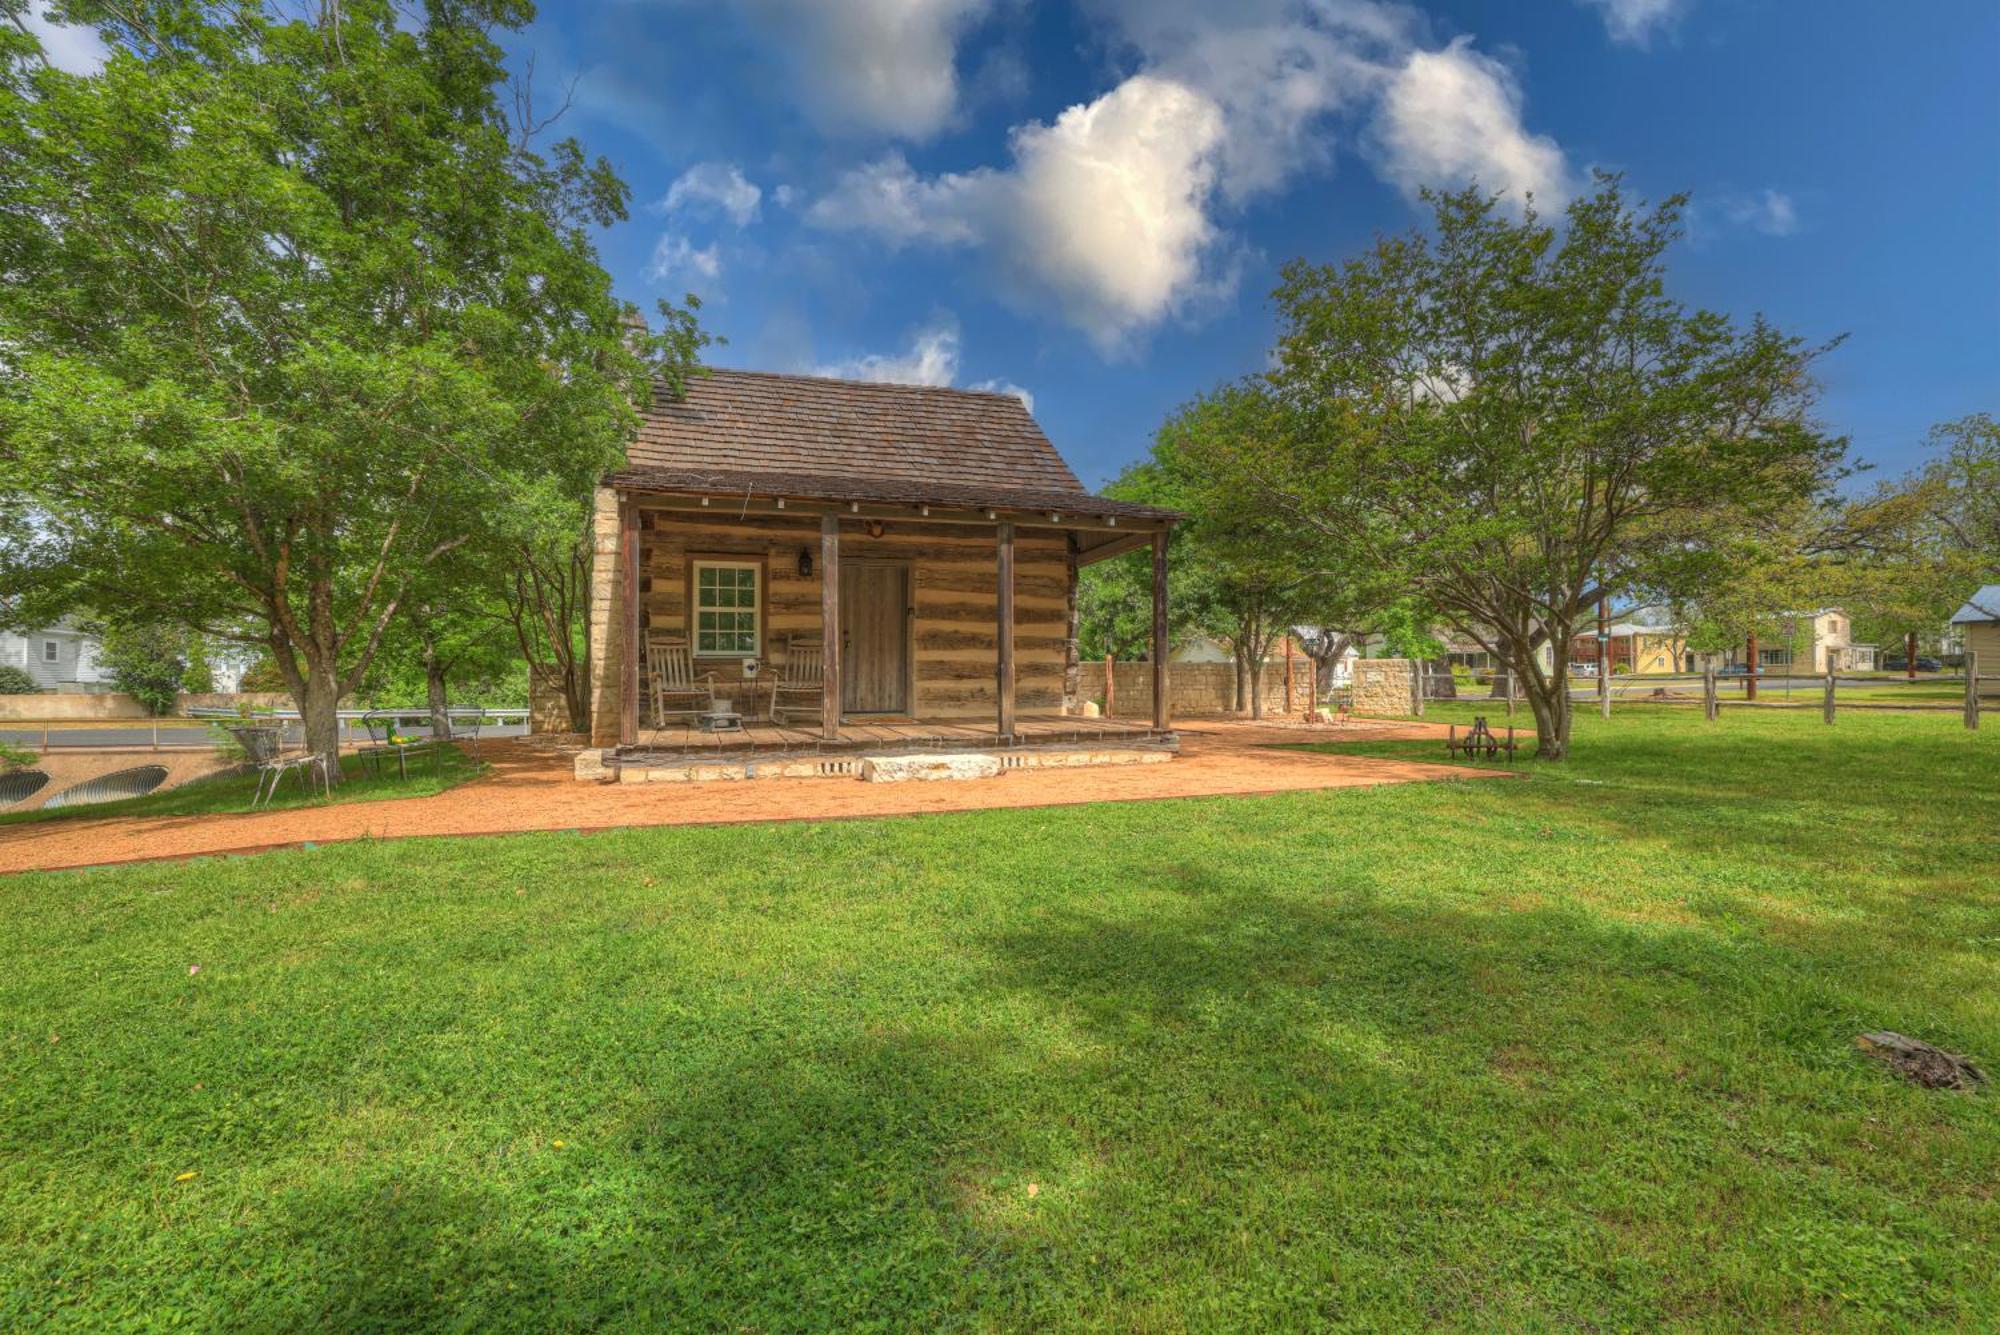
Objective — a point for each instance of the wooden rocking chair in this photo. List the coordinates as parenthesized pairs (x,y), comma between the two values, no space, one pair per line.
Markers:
(677,691)
(798,685)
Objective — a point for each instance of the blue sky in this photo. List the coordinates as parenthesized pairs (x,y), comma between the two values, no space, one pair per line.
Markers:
(1090,199)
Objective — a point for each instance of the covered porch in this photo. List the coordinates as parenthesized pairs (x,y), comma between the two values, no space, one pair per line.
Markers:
(921,622)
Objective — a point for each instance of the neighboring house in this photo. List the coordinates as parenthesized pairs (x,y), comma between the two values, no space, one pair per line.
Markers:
(1812,642)
(1466,652)
(885,526)
(1979,623)
(59,658)
(1635,646)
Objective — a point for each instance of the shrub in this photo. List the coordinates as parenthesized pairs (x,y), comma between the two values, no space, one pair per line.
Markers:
(146,662)
(16,681)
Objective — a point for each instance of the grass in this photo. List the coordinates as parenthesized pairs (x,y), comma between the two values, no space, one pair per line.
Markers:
(1571,1051)
(234,791)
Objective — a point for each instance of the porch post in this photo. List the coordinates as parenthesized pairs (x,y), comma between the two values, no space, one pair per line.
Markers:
(1160,711)
(829,626)
(628,648)
(1003,631)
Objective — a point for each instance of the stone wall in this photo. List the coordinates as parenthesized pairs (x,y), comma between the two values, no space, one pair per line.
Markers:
(547,711)
(1384,686)
(1195,690)
(116,705)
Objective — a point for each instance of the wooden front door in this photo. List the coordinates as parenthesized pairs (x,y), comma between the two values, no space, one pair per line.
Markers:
(874,638)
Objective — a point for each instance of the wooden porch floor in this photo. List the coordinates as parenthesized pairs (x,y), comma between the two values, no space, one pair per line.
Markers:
(681,744)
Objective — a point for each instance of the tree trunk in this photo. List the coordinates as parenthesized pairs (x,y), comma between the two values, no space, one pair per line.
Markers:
(440,704)
(319,704)
(1547,698)
(1256,686)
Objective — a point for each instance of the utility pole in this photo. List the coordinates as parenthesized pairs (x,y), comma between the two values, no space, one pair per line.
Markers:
(1603,657)
(1750,682)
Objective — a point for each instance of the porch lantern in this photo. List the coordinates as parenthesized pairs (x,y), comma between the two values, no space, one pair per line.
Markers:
(805,562)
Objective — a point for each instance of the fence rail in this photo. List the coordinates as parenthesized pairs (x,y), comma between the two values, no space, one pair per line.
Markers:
(195,730)
(1942,693)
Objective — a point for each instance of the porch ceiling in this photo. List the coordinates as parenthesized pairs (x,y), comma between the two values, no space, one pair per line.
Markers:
(764,493)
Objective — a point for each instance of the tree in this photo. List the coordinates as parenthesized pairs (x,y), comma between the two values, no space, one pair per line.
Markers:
(293,307)
(1908,555)
(146,662)
(1514,420)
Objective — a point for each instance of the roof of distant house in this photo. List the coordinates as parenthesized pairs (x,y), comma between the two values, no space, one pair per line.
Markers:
(1980,608)
(760,433)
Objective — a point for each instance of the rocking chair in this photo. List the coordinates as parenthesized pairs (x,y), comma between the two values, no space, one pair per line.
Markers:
(677,691)
(797,687)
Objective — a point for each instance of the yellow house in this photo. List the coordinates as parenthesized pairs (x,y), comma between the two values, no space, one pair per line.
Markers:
(1979,621)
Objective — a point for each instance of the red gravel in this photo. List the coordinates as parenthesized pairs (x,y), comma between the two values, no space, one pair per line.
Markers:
(530,787)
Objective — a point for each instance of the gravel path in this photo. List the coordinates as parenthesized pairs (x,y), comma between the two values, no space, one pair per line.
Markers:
(530,787)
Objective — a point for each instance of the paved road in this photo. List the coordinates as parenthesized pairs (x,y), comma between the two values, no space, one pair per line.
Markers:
(140,734)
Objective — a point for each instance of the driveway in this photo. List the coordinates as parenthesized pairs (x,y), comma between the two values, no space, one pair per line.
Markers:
(530,787)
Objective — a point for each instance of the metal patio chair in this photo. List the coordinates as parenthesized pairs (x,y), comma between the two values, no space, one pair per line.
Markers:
(677,691)
(272,770)
(796,689)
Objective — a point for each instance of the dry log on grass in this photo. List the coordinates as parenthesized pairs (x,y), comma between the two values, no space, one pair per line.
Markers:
(1914,1059)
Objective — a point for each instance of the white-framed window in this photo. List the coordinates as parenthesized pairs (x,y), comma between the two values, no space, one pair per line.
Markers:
(728,609)
(51,651)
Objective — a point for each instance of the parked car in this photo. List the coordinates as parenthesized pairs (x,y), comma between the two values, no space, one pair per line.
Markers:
(1733,670)
(1901,663)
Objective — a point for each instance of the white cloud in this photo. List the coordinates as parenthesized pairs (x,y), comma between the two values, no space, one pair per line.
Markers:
(675,256)
(932,359)
(1453,118)
(1771,212)
(1113,216)
(714,187)
(887,199)
(1635,21)
(68,46)
(874,66)
(1008,387)
(1277,68)
(1102,213)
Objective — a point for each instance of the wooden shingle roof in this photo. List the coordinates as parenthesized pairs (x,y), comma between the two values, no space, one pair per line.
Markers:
(806,436)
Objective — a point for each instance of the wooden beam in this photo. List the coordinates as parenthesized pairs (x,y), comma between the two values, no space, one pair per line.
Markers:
(1161,714)
(1092,553)
(1003,631)
(829,623)
(1072,664)
(628,647)
(1081,520)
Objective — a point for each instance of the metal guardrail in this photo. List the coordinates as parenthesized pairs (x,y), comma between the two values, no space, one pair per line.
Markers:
(193,731)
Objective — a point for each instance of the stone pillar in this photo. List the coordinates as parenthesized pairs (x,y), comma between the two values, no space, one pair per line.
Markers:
(1384,686)
(605,635)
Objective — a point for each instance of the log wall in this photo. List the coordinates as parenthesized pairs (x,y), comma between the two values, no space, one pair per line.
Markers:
(954,582)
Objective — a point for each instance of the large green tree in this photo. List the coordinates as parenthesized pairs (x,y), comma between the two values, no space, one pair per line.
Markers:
(1513,419)
(292,307)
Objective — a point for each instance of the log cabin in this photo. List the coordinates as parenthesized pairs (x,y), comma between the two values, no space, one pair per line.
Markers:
(924,542)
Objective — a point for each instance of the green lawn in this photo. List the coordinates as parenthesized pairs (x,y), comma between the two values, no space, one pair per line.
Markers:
(1568,1052)
(234,791)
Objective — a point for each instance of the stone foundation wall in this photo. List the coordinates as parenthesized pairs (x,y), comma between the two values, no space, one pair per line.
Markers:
(1384,685)
(1195,690)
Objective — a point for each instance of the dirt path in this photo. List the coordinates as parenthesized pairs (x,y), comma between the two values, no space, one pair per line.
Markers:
(531,788)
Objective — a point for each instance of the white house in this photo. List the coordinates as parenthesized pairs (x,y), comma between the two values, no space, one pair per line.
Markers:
(59,658)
